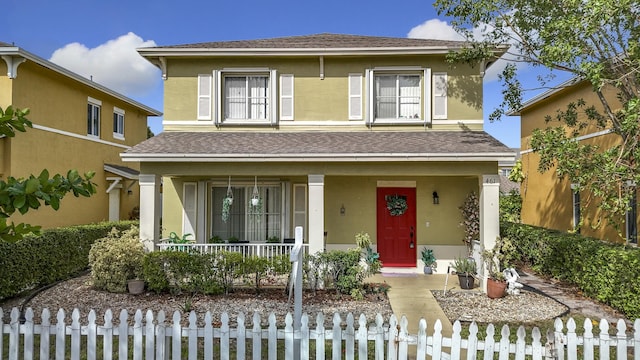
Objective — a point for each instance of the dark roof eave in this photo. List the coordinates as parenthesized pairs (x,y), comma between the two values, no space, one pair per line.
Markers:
(188,52)
(463,157)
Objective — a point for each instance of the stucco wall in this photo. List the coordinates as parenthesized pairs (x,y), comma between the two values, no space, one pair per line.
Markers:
(60,104)
(319,99)
(547,199)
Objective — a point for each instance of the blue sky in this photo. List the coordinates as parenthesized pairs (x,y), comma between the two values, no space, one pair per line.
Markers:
(98,38)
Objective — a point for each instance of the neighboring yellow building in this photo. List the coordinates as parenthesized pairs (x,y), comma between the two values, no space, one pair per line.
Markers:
(338,134)
(548,201)
(77,124)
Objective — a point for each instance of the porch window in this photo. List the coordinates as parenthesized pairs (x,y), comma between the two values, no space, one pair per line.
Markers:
(243,223)
(246,97)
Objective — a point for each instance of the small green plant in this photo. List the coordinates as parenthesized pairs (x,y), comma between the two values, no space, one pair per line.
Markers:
(188,305)
(115,259)
(233,240)
(273,240)
(216,240)
(175,239)
(464,265)
(357,294)
(371,258)
(427,257)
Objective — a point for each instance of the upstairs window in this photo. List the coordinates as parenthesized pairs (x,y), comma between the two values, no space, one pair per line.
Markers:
(246,97)
(401,95)
(397,97)
(93,117)
(118,123)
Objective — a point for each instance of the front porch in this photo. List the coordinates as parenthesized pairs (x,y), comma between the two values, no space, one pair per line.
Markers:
(332,209)
(333,184)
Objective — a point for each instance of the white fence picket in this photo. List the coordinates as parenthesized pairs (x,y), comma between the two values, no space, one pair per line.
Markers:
(60,336)
(151,338)
(192,335)
(28,335)
(45,331)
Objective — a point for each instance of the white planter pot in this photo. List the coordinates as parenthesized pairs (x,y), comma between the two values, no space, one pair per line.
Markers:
(255,201)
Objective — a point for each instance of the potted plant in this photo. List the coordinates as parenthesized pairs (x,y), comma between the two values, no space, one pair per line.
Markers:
(494,262)
(466,271)
(226,208)
(428,259)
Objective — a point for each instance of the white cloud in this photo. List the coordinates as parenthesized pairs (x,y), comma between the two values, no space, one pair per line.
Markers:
(114,64)
(441,30)
(434,29)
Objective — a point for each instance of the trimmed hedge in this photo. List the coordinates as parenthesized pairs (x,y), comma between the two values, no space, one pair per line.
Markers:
(55,254)
(604,271)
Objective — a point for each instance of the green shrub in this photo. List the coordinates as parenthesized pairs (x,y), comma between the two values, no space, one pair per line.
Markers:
(603,271)
(116,258)
(342,269)
(54,255)
(177,272)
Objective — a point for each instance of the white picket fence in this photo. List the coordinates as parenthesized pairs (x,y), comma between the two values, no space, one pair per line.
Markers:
(152,337)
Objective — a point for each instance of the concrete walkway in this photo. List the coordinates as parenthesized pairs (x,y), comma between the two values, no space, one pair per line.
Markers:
(410,295)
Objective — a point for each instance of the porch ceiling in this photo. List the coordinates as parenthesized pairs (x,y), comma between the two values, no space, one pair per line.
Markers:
(320,146)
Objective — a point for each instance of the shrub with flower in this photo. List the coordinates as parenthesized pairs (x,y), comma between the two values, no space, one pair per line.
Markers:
(470,211)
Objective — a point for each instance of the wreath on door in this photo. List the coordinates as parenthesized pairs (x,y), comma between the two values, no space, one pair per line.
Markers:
(397,205)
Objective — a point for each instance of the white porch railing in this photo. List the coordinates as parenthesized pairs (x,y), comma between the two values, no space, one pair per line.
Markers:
(247,249)
(156,337)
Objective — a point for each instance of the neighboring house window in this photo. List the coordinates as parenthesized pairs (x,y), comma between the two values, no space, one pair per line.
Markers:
(118,123)
(246,97)
(397,96)
(505,172)
(576,207)
(632,218)
(244,223)
(93,117)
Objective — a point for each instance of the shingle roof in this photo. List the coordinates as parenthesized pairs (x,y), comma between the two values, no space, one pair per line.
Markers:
(379,144)
(321,41)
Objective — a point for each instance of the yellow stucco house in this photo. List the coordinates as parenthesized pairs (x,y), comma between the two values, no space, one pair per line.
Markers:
(77,124)
(548,201)
(338,134)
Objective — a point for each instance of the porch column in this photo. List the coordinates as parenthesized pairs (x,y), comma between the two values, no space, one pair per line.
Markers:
(149,210)
(316,213)
(489,217)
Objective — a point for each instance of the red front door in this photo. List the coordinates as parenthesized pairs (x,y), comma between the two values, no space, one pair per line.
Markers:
(396,226)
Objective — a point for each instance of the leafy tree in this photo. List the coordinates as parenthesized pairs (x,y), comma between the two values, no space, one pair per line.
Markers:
(150,133)
(593,40)
(23,195)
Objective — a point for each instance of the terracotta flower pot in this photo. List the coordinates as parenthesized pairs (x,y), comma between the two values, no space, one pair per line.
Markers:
(496,289)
